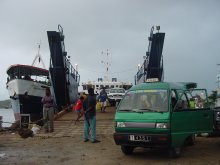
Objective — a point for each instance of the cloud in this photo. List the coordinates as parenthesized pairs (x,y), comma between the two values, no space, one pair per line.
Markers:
(191,47)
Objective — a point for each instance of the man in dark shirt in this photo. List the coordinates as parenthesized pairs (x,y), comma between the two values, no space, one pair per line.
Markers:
(103,99)
(89,106)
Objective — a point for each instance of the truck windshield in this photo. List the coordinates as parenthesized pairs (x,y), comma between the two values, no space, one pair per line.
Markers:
(145,101)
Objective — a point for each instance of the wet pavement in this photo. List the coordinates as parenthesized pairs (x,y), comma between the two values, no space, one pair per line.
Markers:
(65,146)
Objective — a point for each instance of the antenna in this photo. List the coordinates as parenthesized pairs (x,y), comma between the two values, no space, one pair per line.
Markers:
(107,63)
(38,57)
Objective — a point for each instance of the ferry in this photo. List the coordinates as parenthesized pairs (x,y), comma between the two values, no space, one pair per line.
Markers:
(26,86)
(100,84)
(105,82)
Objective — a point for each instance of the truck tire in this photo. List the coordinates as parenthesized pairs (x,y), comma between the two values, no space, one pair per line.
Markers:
(192,140)
(127,150)
(175,152)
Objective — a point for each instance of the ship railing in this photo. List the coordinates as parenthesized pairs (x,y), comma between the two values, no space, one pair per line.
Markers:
(73,72)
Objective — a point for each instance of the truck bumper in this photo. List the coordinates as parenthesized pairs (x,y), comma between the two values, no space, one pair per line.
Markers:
(152,140)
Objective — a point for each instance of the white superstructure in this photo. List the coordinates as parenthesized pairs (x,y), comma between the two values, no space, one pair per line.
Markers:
(218,98)
(98,85)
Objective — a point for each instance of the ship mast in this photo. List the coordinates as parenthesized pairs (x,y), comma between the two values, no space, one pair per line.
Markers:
(38,57)
(107,64)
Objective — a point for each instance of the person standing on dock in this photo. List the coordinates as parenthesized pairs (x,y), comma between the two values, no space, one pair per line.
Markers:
(89,107)
(48,111)
(103,99)
(78,108)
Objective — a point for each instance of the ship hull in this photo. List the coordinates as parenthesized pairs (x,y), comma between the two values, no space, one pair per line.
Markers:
(26,104)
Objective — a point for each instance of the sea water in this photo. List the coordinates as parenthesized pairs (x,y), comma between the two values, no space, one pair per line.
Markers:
(7,117)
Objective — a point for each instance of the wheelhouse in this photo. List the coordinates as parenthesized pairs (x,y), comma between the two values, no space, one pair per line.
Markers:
(27,72)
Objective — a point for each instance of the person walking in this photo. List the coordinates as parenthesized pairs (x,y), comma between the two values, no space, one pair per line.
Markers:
(78,108)
(103,99)
(48,111)
(89,107)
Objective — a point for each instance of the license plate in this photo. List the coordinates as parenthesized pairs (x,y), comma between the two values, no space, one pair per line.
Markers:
(139,138)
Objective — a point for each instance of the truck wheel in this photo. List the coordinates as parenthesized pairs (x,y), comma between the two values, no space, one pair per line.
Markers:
(192,140)
(127,150)
(175,152)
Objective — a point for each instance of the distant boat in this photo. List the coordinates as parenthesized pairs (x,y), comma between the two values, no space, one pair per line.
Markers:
(105,82)
(26,86)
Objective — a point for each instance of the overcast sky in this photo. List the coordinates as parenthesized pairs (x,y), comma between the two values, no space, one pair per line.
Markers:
(191,49)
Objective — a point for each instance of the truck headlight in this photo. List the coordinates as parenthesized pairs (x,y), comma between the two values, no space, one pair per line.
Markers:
(162,125)
(120,124)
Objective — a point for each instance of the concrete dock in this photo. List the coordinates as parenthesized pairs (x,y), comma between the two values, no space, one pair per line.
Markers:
(65,125)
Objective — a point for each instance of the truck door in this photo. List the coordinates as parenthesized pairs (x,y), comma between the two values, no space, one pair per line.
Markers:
(191,114)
